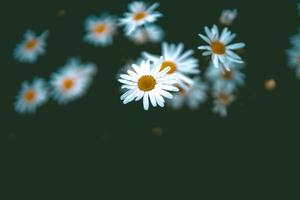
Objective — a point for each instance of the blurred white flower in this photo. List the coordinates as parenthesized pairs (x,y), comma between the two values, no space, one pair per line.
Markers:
(193,96)
(139,14)
(148,33)
(222,99)
(72,80)
(31,96)
(228,16)
(229,78)
(294,60)
(100,30)
(31,47)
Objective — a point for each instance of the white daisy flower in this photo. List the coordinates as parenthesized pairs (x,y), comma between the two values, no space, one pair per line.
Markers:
(193,96)
(228,16)
(31,96)
(219,48)
(149,33)
(222,99)
(228,79)
(181,63)
(147,82)
(139,14)
(294,60)
(72,81)
(31,47)
(100,30)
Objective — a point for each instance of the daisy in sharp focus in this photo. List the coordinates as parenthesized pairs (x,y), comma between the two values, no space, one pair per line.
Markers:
(223,78)
(100,30)
(31,96)
(72,81)
(31,47)
(228,16)
(222,99)
(193,96)
(219,48)
(149,83)
(139,15)
(149,33)
(294,60)
(181,63)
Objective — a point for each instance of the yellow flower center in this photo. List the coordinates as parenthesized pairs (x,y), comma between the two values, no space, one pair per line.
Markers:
(100,28)
(223,98)
(139,16)
(218,47)
(68,84)
(170,64)
(30,96)
(227,74)
(31,44)
(146,83)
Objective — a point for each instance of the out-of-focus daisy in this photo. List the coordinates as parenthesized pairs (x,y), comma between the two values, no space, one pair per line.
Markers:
(31,47)
(146,82)
(193,96)
(100,30)
(228,79)
(219,48)
(294,60)
(72,80)
(139,14)
(181,63)
(228,16)
(31,96)
(295,40)
(149,33)
(222,99)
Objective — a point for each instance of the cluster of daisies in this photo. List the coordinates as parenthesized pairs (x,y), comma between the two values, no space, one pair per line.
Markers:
(138,25)
(173,76)
(73,79)
(293,53)
(69,83)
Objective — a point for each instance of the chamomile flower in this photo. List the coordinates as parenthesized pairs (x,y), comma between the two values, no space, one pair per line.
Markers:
(31,96)
(139,14)
(294,60)
(100,30)
(229,78)
(149,33)
(181,63)
(219,48)
(148,82)
(222,99)
(31,47)
(72,81)
(193,95)
(228,16)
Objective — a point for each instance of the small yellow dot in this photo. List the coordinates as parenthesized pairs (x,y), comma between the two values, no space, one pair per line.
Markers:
(157,131)
(61,13)
(270,84)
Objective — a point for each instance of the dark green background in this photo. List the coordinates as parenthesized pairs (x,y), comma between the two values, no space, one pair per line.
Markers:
(259,120)
(249,155)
